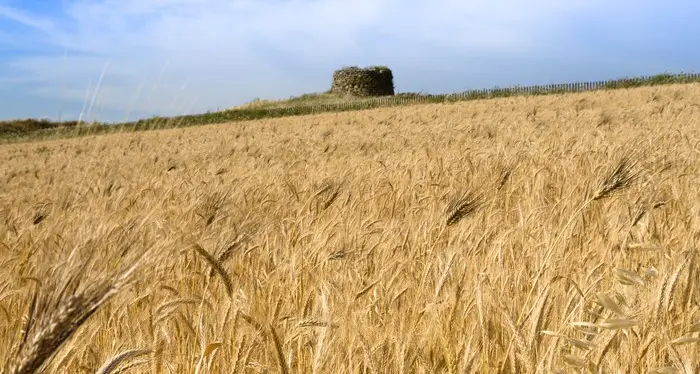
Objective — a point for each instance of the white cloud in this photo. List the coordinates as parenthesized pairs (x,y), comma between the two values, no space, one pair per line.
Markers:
(229,51)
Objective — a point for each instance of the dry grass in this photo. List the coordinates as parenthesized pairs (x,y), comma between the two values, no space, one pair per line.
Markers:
(472,237)
(324,98)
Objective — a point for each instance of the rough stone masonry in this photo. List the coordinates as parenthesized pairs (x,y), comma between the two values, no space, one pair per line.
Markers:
(371,81)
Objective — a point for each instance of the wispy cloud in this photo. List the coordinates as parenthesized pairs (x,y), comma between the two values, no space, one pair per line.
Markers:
(169,56)
(28,20)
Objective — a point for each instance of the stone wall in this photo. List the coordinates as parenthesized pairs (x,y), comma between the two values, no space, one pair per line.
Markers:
(371,81)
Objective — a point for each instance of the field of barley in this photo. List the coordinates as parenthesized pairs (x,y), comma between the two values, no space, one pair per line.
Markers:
(515,235)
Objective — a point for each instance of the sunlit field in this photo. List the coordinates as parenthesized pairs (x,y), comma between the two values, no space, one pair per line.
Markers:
(515,235)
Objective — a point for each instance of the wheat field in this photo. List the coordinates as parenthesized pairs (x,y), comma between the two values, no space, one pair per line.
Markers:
(551,234)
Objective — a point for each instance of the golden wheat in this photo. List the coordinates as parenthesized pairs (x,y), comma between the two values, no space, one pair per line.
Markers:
(523,235)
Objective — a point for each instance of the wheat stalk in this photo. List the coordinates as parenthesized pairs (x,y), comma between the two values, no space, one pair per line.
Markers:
(284,368)
(216,265)
(621,177)
(61,313)
(110,365)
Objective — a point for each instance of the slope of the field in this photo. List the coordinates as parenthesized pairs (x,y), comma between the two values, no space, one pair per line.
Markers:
(516,235)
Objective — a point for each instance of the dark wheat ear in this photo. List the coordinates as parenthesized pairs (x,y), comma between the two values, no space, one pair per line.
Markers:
(226,253)
(211,206)
(463,206)
(216,266)
(621,177)
(506,174)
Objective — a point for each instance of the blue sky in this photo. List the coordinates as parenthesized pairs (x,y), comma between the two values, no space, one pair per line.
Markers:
(170,57)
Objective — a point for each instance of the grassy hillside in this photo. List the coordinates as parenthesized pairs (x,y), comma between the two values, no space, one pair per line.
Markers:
(326,99)
(514,235)
(25,130)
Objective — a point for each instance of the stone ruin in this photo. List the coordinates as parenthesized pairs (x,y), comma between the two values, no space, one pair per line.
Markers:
(367,82)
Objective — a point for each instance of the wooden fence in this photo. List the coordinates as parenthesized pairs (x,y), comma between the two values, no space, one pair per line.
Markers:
(481,94)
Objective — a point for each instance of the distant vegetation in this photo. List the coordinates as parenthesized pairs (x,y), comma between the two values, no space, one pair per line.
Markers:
(24,126)
(28,129)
